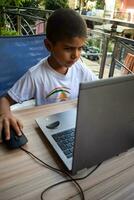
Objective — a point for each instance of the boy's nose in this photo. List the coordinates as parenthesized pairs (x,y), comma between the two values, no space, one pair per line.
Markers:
(75,54)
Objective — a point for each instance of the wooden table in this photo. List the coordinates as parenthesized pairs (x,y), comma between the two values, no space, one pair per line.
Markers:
(21,178)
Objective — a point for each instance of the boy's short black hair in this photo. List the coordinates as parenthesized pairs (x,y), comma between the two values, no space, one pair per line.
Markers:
(65,23)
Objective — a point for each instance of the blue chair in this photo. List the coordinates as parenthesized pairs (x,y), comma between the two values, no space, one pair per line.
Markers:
(17,55)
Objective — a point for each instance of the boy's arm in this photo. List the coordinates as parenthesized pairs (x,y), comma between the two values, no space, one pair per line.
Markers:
(6,117)
(5,103)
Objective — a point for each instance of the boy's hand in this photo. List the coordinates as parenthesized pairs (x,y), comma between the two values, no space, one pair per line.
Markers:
(7,120)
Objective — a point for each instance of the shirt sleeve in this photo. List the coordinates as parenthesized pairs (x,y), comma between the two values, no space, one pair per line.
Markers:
(23,89)
(90,76)
(87,74)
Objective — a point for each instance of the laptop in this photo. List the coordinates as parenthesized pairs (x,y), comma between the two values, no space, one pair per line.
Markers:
(102,125)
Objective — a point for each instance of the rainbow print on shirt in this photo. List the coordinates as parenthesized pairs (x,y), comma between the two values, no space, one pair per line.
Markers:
(61,93)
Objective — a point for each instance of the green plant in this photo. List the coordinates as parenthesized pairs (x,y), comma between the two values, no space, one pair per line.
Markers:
(100,4)
(13,2)
(6,32)
(97,43)
(55,4)
(94,42)
(110,46)
(3,5)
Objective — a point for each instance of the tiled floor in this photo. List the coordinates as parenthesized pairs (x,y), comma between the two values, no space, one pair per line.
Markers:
(95,67)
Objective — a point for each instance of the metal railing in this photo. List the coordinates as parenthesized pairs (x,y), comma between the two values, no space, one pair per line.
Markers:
(122,48)
(122,45)
(24,20)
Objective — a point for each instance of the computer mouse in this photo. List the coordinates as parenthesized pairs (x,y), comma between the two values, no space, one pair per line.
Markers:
(15,140)
(53,125)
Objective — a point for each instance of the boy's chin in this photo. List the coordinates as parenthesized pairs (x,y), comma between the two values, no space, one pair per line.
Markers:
(69,64)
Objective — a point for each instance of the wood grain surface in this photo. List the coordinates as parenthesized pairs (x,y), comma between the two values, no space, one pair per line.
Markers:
(22,178)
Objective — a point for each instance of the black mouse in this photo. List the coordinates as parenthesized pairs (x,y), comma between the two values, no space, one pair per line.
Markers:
(53,125)
(15,141)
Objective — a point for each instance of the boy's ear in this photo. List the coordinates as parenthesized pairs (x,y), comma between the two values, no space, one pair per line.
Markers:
(48,44)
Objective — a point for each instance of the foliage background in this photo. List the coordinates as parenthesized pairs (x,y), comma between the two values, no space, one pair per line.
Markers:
(55,4)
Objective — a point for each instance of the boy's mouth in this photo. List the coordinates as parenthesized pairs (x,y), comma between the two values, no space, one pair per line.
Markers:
(71,62)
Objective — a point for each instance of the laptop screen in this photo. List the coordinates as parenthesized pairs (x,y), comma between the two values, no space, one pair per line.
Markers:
(105,120)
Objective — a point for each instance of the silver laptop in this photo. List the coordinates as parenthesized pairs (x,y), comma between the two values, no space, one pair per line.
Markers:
(101,127)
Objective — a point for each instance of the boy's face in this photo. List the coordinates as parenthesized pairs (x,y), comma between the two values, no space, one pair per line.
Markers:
(66,52)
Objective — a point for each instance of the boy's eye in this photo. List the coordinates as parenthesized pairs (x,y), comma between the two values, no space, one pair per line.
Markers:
(68,48)
(71,48)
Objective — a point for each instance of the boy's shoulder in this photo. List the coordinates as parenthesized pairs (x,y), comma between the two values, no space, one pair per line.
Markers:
(80,63)
(80,66)
(38,67)
(83,71)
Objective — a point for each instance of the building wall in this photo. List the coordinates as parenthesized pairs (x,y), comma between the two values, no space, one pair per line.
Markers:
(124,9)
(128,4)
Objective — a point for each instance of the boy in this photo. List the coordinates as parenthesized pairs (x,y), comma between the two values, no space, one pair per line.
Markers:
(55,78)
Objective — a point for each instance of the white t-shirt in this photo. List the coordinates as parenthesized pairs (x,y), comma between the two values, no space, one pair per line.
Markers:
(45,85)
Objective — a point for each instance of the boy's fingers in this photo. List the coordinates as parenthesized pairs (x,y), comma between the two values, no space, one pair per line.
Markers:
(20,124)
(0,133)
(7,128)
(7,124)
(16,127)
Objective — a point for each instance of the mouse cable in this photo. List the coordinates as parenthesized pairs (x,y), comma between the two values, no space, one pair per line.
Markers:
(60,171)
(69,180)
(56,170)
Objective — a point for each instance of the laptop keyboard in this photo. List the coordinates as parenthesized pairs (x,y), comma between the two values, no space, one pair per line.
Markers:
(65,141)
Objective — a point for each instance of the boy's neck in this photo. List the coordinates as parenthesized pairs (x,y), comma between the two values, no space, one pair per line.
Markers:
(56,66)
